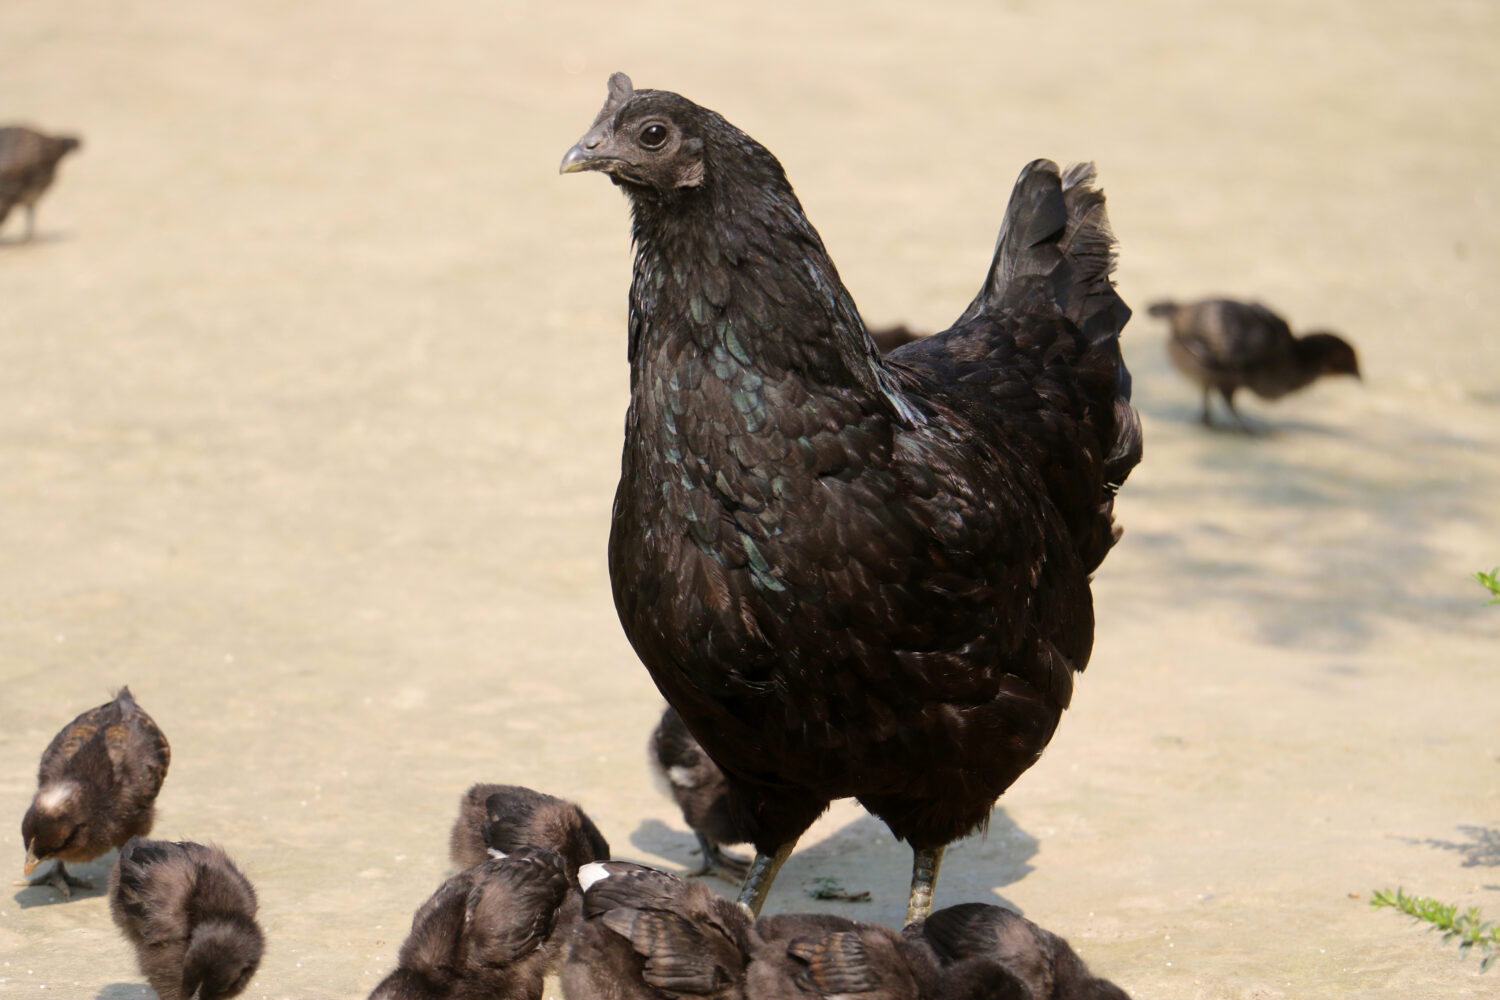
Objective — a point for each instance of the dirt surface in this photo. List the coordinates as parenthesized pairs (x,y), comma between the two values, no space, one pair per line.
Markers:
(313,382)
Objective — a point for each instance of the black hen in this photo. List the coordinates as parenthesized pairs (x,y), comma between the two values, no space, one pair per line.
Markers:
(506,818)
(190,915)
(855,576)
(1045,963)
(96,788)
(1225,346)
(28,164)
(491,932)
(647,934)
(700,790)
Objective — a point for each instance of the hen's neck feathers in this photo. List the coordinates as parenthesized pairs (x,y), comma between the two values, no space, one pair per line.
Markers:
(731,275)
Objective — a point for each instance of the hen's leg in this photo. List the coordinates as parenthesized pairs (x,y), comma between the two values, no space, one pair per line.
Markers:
(924,873)
(762,873)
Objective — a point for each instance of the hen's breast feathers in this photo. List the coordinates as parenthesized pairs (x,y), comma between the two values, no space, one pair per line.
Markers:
(903,565)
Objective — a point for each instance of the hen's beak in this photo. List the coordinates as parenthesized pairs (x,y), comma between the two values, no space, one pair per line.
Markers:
(590,153)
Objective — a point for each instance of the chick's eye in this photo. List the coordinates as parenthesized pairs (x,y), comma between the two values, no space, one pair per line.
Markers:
(652,136)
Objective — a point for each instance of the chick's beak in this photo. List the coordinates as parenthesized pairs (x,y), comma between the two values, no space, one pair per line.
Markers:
(589,153)
(31,860)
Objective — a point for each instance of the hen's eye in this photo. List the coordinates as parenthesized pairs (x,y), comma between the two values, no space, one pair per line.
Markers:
(652,136)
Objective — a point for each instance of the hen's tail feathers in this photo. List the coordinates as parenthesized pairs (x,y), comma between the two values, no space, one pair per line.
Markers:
(1056,251)
(1055,244)
(1088,247)
(1089,299)
(1162,309)
(1056,247)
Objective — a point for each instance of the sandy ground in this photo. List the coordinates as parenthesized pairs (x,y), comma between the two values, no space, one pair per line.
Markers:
(312,391)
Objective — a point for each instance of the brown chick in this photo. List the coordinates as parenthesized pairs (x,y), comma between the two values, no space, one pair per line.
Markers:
(647,934)
(700,791)
(1225,346)
(96,788)
(506,818)
(190,915)
(809,955)
(1044,962)
(805,956)
(888,338)
(28,163)
(492,931)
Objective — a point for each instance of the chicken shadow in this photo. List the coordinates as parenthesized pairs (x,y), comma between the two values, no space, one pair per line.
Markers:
(96,872)
(1340,521)
(125,991)
(40,238)
(1482,849)
(1258,425)
(863,856)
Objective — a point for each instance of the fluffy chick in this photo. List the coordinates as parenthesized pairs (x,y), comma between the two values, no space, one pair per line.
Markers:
(700,791)
(190,914)
(492,931)
(647,935)
(506,818)
(1225,346)
(1044,962)
(802,955)
(96,788)
(28,164)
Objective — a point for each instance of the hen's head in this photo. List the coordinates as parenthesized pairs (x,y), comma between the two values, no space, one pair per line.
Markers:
(650,138)
(660,146)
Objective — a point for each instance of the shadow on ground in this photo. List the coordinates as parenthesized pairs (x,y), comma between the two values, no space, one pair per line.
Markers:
(1312,533)
(863,856)
(1482,849)
(126,991)
(96,872)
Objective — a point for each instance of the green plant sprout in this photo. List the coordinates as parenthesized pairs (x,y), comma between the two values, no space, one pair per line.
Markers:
(1490,581)
(1471,931)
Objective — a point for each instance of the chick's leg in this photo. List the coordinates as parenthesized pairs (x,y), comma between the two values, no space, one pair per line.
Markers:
(720,862)
(762,873)
(925,863)
(59,879)
(1239,418)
